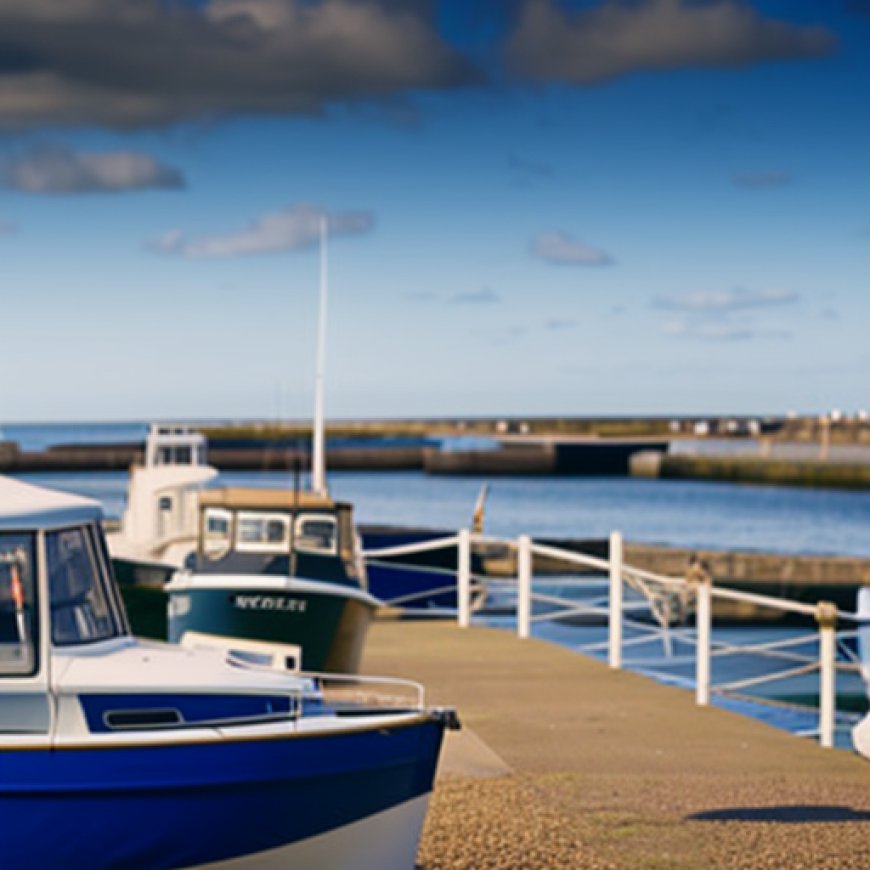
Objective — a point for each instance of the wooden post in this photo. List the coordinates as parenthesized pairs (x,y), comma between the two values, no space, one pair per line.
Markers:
(825,438)
(524,581)
(463,578)
(826,616)
(615,616)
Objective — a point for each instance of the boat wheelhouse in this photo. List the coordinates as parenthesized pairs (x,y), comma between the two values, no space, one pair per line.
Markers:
(276,565)
(159,524)
(116,752)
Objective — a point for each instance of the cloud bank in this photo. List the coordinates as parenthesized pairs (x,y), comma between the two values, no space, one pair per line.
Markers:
(135,63)
(290,229)
(625,36)
(58,169)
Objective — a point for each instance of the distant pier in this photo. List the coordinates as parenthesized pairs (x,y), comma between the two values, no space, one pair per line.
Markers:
(796,453)
(261,456)
(511,456)
(605,457)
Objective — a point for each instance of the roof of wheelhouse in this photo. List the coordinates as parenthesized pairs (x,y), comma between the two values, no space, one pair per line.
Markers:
(263,498)
(24,507)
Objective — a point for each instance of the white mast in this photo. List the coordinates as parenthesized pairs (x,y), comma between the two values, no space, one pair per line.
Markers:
(318,457)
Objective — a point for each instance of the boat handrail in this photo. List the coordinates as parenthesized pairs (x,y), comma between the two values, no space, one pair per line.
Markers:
(287,658)
(346,681)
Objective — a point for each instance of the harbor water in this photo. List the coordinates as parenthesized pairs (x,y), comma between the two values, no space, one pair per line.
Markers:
(679,513)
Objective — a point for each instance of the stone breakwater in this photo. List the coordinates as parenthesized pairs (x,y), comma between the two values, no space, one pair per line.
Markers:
(753,469)
(263,457)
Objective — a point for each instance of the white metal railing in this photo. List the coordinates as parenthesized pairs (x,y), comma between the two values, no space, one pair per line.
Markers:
(662,593)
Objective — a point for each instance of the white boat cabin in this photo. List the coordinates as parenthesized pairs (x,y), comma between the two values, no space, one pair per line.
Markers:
(159,521)
(55,592)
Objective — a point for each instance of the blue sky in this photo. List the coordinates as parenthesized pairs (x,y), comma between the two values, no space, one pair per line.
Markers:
(537,207)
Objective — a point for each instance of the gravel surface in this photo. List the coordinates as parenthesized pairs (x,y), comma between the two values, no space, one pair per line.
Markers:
(613,770)
(499,823)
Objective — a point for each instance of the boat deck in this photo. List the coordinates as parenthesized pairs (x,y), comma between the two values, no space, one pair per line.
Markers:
(565,763)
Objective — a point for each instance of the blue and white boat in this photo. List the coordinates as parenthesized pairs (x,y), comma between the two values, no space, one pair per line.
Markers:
(116,752)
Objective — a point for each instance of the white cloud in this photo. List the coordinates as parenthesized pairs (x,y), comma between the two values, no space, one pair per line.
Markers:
(558,247)
(58,169)
(727,300)
(722,330)
(559,323)
(760,180)
(290,229)
(475,297)
(709,330)
(726,315)
(624,36)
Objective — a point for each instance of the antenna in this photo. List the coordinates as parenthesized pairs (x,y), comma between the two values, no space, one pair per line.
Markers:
(318,459)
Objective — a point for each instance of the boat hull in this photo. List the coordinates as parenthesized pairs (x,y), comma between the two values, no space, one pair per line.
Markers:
(330,628)
(417,582)
(192,804)
(386,839)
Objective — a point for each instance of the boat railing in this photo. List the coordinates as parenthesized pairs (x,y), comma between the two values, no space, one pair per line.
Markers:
(345,694)
(351,694)
(636,608)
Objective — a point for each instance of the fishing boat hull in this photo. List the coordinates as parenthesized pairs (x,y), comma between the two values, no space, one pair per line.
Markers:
(328,621)
(139,572)
(419,583)
(310,800)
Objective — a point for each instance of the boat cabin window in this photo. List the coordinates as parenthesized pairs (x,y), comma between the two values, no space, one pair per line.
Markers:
(18,617)
(80,608)
(216,532)
(315,533)
(262,533)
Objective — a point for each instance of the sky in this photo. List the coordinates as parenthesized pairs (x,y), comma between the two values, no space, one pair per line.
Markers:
(535,207)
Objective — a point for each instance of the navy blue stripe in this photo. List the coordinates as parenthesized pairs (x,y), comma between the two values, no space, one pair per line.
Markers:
(194,709)
(173,806)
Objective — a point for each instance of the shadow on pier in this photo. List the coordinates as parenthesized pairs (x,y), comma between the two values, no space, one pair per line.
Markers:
(784,815)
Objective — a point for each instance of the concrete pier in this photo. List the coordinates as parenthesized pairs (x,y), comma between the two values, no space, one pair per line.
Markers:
(593,457)
(119,457)
(582,766)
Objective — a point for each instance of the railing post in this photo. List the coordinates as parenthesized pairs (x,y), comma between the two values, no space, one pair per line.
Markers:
(524,581)
(463,578)
(615,616)
(703,583)
(826,616)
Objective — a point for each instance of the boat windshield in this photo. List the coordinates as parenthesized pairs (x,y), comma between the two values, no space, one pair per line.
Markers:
(17,605)
(316,533)
(81,611)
